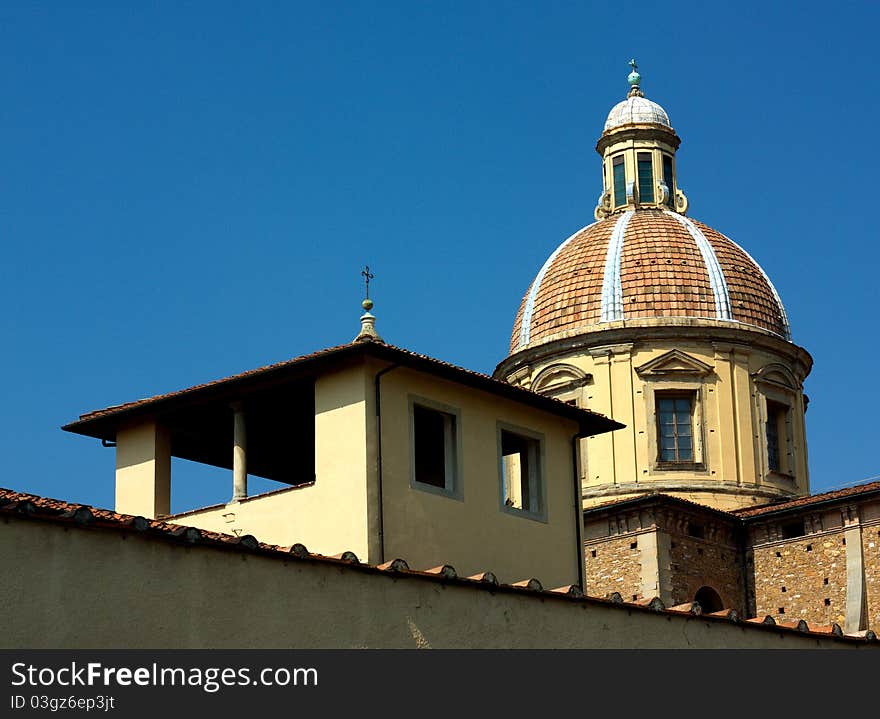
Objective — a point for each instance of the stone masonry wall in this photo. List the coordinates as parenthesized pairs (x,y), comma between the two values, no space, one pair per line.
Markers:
(613,565)
(695,563)
(804,577)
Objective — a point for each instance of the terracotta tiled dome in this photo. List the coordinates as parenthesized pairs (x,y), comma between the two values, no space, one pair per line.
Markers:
(646,263)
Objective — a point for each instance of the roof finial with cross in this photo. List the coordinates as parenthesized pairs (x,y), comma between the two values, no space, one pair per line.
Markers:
(368,321)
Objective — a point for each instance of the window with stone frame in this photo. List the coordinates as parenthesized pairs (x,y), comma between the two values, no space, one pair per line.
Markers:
(522,479)
(775,399)
(435,440)
(777,414)
(675,428)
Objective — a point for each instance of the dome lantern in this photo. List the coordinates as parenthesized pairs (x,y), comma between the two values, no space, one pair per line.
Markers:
(638,149)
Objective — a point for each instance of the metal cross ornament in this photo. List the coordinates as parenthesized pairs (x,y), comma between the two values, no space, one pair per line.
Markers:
(367,275)
(633,65)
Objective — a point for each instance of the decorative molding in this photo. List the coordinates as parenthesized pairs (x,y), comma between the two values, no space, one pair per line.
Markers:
(608,351)
(736,336)
(777,375)
(674,363)
(559,377)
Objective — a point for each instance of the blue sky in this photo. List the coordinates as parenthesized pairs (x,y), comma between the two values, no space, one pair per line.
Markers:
(189,190)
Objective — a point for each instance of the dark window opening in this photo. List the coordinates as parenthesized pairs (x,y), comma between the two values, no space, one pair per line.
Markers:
(593,553)
(709,600)
(784,589)
(667,178)
(675,428)
(827,602)
(781,610)
(809,547)
(776,433)
(825,581)
(520,472)
(697,530)
(618,171)
(634,545)
(434,447)
(646,177)
(790,530)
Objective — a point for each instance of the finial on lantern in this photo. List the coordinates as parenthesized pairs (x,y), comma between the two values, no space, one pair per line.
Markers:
(368,321)
(635,80)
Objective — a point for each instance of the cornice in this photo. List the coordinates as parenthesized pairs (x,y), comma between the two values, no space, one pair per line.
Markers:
(723,336)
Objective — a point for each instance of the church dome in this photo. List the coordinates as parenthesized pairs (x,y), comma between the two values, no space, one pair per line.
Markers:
(636,110)
(646,263)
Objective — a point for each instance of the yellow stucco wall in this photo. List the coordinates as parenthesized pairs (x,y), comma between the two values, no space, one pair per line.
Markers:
(143,470)
(105,588)
(473,532)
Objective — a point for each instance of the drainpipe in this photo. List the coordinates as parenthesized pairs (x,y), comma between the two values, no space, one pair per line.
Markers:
(578,512)
(378,384)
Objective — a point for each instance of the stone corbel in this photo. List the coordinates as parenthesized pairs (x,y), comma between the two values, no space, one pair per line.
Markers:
(681,202)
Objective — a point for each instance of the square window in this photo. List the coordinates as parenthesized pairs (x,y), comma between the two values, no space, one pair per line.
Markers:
(434,448)
(521,480)
(675,427)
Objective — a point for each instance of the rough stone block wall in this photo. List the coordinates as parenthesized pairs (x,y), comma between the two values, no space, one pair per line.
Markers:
(812,570)
(871,559)
(615,568)
(695,563)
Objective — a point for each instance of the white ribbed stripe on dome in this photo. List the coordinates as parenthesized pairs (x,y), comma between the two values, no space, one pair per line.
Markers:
(612,290)
(786,328)
(713,268)
(525,329)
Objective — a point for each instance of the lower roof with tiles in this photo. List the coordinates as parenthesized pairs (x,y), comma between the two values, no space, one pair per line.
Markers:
(646,264)
(36,508)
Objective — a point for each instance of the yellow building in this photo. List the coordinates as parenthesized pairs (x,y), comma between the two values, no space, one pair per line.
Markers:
(670,327)
(388,453)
